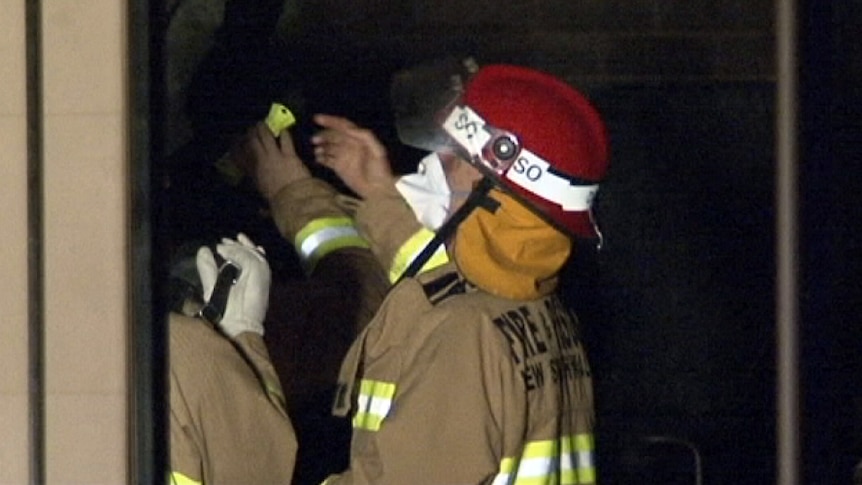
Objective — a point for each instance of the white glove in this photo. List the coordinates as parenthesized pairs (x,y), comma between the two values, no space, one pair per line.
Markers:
(249,296)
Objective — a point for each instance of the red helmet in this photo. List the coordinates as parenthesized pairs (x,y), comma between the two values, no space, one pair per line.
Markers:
(538,137)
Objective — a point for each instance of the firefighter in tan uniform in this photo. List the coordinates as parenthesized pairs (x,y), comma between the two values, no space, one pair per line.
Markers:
(473,371)
(229,417)
(228,420)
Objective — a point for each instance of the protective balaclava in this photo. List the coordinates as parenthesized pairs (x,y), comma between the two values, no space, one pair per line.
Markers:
(510,251)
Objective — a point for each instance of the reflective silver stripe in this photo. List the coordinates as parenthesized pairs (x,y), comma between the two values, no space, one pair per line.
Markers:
(373,404)
(505,476)
(567,461)
(535,467)
(322,236)
(314,241)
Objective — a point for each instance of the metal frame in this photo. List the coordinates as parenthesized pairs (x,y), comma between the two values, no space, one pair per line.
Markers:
(35,249)
(786,249)
(147,420)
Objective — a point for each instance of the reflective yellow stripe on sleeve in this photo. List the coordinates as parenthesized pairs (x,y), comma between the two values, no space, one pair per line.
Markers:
(273,391)
(567,461)
(323,236)
(373,404)
(177,478)
(410,249)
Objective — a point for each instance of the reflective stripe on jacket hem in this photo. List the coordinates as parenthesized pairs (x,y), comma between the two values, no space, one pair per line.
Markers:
(567,461)
(177,478)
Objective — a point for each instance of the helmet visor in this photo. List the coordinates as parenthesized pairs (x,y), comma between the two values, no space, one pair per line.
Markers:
(429,114)
(422,97)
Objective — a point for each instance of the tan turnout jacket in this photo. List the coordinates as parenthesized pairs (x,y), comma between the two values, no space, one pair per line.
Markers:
(449,384)
(228,423)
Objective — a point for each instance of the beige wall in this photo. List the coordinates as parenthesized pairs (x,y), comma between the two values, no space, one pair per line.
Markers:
(13,246)
(85,217)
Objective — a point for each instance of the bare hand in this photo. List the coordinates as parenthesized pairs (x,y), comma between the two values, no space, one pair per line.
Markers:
(272,163)
(353,153)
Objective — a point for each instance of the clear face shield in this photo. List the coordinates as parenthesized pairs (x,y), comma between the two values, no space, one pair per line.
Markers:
(423,95)
(429,116)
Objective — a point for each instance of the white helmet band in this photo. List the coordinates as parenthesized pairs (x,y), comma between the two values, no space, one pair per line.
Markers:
(527,170)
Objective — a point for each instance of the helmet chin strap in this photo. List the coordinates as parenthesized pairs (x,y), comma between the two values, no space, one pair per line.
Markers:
(478,198)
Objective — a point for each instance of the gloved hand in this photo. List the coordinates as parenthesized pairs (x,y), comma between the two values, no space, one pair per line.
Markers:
(249,296)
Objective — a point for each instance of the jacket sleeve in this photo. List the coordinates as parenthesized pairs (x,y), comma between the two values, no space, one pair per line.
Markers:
(227,423)
(312,216)
(440,419)
(394,235)
(320,223)
(253,350)
(312,321)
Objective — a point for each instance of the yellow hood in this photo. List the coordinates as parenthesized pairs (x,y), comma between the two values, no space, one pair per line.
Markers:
(510,252)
